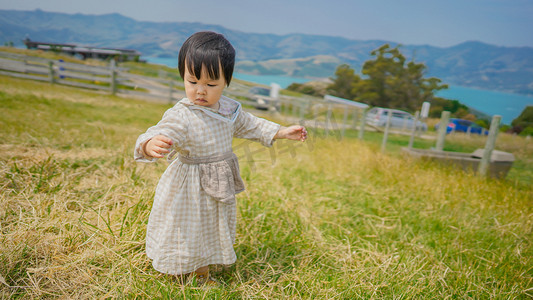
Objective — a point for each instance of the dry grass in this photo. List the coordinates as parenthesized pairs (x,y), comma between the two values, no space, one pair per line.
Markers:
(336,220)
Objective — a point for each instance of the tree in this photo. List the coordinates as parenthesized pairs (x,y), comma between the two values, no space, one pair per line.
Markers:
(306,89)
(456,108)
(344,82)
(523,124)
(390,82)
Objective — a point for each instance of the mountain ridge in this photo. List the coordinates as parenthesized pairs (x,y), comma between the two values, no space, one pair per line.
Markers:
(471,63)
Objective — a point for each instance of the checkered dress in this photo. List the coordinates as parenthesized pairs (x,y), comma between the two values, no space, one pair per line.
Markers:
(187,228)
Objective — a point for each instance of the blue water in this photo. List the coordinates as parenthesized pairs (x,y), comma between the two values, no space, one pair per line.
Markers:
(507,105)
(283,81)
(169,62)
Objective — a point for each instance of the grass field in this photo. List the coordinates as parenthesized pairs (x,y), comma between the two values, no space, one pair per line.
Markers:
(331,219)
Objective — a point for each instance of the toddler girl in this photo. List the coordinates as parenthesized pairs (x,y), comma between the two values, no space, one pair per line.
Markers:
(192,222)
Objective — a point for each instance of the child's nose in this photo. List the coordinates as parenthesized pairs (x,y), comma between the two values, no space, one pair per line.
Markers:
(201,89)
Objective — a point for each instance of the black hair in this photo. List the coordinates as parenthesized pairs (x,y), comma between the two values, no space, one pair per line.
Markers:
(209,49)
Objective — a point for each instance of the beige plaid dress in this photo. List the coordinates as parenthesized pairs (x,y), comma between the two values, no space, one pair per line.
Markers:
(188,228)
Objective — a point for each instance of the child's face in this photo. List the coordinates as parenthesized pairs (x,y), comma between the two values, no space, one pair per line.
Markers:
(205,91)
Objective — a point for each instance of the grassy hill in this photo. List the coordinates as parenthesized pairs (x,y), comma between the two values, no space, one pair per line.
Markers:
(334,219)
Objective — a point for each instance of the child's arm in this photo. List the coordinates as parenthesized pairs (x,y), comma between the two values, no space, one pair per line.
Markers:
(294,132)
(156,141)
(248,126)
(157,146)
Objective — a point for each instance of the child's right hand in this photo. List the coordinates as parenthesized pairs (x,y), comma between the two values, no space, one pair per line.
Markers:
(158,146)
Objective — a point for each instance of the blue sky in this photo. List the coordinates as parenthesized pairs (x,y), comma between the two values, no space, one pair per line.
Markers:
(440,23)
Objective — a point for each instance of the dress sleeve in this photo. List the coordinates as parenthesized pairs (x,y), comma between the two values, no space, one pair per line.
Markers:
(248,126)
(173,125)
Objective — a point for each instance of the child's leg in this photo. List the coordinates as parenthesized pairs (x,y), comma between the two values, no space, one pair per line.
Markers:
(202,270)
(202,274)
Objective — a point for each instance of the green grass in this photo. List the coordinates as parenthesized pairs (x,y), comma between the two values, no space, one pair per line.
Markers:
(152,70)
(336,220)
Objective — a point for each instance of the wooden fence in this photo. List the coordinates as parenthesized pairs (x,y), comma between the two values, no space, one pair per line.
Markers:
(112,79)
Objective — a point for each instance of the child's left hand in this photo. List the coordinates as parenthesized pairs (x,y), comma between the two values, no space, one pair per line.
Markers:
(294,132)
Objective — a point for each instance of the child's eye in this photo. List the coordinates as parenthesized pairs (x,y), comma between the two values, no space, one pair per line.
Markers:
(211,85)
(192,82)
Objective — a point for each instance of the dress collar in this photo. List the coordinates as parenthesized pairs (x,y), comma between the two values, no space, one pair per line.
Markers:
(227,111)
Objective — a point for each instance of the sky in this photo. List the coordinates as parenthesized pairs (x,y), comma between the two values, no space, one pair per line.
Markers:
(441,23)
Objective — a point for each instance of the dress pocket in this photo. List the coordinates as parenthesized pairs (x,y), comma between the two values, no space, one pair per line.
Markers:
(218,181)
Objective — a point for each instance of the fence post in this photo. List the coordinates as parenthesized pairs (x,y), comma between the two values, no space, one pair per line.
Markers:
(386,134)
(363,123)
(51,72)
(328,118)
(355,111)
(316,110)
(344,122)
(113,78)
(443,125)
(413,131)
(489,145)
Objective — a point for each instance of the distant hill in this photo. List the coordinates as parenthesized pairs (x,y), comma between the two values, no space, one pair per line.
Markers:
(319,66)
(472,64)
